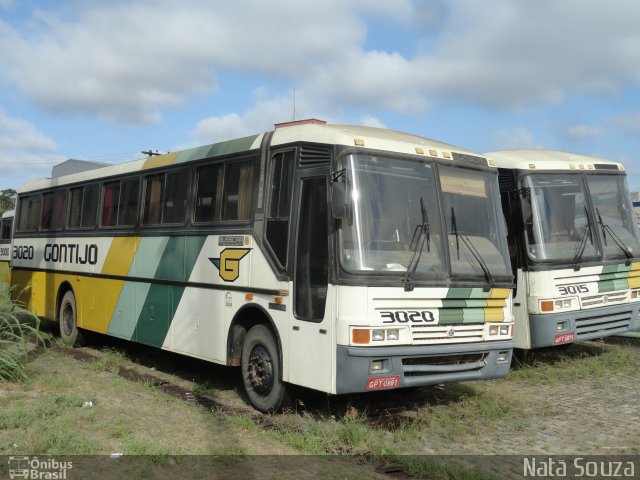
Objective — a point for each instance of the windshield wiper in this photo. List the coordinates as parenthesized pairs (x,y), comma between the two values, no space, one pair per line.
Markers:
(469,244)
(583,243)
(421,235)
(616,239)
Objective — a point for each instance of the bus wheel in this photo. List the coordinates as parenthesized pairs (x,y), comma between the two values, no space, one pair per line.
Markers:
(261,371)
(68,320)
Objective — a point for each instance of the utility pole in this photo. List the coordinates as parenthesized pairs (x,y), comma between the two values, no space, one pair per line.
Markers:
(150,153)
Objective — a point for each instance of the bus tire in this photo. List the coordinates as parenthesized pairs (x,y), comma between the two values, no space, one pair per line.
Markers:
(68,321)
(261,372)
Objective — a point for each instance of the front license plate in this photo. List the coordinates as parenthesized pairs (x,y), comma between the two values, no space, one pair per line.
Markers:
(382,383)
(564,338)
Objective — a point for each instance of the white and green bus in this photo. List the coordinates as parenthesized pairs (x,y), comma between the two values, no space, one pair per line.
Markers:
(6,226)
(574,246)
(339,258)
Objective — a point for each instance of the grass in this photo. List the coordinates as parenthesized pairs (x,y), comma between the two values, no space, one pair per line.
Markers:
(19,330)
(44,414)
(579,361)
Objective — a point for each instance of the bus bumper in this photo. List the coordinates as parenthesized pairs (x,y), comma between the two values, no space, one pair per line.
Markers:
(558,328)
(362,369)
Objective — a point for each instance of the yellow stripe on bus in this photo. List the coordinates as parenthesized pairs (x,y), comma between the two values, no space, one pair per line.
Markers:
(494,315)
(100,296)
(159,161)
(500,292)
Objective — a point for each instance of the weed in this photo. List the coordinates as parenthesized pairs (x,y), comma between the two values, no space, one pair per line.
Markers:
(17,329)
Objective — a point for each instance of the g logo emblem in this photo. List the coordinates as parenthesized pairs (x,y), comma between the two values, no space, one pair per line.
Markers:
(228,264)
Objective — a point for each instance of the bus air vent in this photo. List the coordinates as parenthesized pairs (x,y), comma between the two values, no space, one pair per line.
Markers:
(469,159)
(605,166)
(314,155)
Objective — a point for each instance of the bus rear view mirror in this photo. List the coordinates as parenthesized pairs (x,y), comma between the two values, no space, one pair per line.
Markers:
(525,207)
(339,202)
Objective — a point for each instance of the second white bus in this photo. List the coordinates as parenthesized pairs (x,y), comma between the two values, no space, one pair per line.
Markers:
(573,244)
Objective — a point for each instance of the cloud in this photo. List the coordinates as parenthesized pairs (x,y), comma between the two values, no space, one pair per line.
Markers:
(260,118)
(630,122)
(515,138)
(23,148)
(129,61)
(582,132)
(369,121)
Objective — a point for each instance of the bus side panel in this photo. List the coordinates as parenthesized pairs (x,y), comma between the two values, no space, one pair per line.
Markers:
(161,304)
(521,328)
(95,300)
(143,258)
(38,291)
(198,327)
(5,274)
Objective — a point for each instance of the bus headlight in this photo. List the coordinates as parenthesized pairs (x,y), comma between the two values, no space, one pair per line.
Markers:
(379,336)
(393,334)
(499,330)
(558,305)
(635,294)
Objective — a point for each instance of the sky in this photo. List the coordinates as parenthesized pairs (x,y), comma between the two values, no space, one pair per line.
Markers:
(103,80)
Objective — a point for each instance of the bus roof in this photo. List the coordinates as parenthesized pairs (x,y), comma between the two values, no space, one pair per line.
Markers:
(303,131)
(540,159)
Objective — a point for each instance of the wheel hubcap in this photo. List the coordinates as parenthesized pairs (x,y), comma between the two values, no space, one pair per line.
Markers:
(67,319)
(261,370)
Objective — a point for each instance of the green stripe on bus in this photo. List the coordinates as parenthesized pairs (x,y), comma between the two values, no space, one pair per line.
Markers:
(450,316)
(217,149)
(447,303)
(162,301)
(459,293)
(473,315)
(613,276)
(619,267)
(612,285)
(130,303)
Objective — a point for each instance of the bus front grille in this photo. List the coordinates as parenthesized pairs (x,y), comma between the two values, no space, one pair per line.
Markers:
(420,366)
(438,334)
(604,299)
(602,325)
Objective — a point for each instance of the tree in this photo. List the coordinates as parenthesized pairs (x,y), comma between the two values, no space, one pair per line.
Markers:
(7,199)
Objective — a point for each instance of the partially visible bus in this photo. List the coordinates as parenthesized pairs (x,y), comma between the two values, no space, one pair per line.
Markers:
(6,223)
(573,244)
(339,258)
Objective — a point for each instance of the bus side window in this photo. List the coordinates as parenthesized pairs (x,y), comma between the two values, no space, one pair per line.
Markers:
(5,231)
(238,190)
(54,210)
(128,205)
(90,206)
(175,197)
(312,256)
(110,201)
(153,199)
(208,193)
(75,207)
(282,168)
(29,213)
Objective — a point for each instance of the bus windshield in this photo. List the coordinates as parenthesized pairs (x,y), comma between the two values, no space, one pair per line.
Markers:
(395,200)
(614,215)
(563,226)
